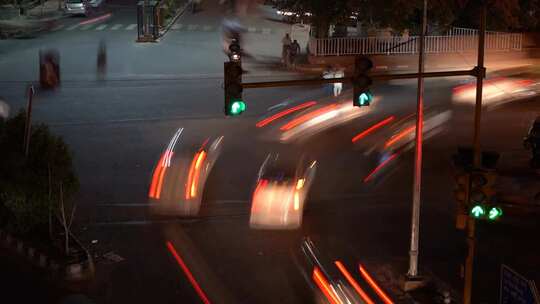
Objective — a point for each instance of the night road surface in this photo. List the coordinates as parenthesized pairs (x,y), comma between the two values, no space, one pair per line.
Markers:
(118,129)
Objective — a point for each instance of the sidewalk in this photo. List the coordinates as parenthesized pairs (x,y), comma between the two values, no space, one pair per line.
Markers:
(409,63)
(35,19)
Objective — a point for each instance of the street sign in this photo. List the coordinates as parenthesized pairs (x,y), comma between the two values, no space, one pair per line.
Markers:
(516,289)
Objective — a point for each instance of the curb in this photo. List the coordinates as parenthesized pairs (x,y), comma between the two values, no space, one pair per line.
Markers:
(78,271)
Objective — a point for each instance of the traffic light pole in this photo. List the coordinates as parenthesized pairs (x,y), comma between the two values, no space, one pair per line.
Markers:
(412,274)
(479,72)
(471,239)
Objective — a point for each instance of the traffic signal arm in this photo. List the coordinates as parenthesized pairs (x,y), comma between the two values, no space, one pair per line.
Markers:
(300,82)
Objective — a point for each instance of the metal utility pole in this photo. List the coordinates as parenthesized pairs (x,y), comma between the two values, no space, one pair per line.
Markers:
(467,290)
(417,183)
(28,124)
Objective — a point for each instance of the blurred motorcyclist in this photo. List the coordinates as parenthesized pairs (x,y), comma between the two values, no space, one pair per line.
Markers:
(232,30)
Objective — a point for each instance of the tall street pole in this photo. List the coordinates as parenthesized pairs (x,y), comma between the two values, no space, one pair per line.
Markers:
(467,290)
(28,122)
(417,183)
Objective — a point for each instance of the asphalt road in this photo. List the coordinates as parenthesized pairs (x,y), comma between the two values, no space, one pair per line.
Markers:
(118,128)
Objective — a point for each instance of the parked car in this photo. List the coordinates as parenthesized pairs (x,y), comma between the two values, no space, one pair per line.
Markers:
(95,3)
(81,7)
(75,7)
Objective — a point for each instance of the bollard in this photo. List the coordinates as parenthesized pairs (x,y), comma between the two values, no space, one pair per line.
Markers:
(9,238)
(31,252)
(42,260)
(20,247)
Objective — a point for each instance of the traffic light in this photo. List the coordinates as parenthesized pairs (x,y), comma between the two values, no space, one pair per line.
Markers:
(483,203)
(361,82)
(235,50)
(234,104)
(463,184)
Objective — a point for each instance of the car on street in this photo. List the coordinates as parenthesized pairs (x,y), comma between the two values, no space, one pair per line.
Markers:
(179,178)
(279,197)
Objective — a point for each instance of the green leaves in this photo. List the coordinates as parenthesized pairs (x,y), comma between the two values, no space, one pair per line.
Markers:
(29,186)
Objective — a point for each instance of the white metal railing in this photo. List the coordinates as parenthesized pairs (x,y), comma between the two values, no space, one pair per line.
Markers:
(457,40)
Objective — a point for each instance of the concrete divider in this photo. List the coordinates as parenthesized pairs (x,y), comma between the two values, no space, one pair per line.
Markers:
(83,269)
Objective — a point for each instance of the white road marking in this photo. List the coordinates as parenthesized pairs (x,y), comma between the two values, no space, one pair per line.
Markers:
(266,31)
(73,27)
(382,67)
(101,27)
(279,105)
(58,27)
(251,29)
(177,26)
(116,27)
(86,27)
(402,66)
(131,27)
(192,27)
(206,28)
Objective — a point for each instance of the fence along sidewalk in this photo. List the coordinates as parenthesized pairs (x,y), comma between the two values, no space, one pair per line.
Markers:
(457,40)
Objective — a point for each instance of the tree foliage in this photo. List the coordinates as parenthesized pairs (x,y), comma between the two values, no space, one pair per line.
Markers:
(406,14)
(28,185)
(324,12)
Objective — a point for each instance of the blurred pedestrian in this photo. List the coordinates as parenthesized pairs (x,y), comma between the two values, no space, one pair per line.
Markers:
(294,50)
(338,86)
(328,74)
(286,44)
(102,60)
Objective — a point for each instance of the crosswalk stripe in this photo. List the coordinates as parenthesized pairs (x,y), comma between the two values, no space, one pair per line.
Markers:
(86,27)
(266,31)
(116,27)
(206,28)
(177,26)
(73,27)
(101,27)
(192,27)
(251,29)
(131,26)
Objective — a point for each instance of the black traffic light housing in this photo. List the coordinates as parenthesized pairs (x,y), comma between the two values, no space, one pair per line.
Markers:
(361,82)
(461,192)
(475,187)
(483,200)
(234,104)
(235,50)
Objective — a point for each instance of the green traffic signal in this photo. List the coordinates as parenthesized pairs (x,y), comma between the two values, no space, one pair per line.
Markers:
(494,213)
(478,211)
(362,99)
(237,107)
(365,98)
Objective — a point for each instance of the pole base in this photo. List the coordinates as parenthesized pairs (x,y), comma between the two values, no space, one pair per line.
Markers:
(409,283)
(146,38)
